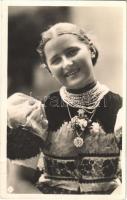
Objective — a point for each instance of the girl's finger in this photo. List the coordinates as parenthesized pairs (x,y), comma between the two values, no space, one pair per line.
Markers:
(28,109)
(44,123)
(37,117)
(43,110)
(36,114)
(31,105)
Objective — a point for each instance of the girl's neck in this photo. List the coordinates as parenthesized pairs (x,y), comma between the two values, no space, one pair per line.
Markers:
(84,89)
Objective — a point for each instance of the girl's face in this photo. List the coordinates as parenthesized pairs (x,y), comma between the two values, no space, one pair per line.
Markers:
(69,60)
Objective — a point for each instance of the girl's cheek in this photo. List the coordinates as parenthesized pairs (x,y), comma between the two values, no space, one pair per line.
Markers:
(53,68)
(57,71)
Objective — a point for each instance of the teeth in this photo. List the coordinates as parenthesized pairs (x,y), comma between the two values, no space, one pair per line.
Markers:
(72,73)
(69,74)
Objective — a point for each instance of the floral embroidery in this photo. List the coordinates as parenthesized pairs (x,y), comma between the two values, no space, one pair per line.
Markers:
(80,122)
(82,125)
(88,168)
(95,127)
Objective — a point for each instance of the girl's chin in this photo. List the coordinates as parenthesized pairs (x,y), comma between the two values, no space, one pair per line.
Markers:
(76,84)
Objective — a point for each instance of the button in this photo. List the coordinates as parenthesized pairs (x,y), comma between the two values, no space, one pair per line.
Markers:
(10,189)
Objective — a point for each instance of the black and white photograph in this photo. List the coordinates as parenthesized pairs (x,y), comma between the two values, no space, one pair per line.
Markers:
(65,112)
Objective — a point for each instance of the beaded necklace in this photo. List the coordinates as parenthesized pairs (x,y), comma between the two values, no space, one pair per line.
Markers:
(83,123)
(88,100)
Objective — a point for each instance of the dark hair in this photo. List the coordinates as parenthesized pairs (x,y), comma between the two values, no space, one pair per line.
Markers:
(66,28)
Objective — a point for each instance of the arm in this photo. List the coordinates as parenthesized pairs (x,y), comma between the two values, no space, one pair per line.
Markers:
(23,151)
(21,179)
(118,133)
(24,143)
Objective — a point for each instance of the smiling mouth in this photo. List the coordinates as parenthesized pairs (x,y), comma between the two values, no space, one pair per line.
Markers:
(72,73)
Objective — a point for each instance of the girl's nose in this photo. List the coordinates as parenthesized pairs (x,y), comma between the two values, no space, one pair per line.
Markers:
(66,62)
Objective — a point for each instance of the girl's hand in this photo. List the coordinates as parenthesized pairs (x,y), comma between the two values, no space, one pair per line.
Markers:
(37,121)
(24,110)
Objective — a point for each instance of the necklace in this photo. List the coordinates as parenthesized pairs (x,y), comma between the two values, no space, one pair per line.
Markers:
(78,140)
(88,100)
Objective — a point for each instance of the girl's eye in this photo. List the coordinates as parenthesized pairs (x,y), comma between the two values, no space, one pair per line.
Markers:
(72,52)
(56,60)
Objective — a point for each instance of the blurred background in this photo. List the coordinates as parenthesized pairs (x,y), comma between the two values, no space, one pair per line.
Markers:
(25,24)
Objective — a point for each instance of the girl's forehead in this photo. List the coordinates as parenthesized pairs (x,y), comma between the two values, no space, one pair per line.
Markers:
(62,42)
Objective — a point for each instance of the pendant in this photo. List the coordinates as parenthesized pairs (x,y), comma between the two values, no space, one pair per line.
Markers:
(78,141)
(81,113)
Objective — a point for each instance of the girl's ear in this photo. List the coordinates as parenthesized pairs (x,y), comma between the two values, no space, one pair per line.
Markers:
(44,66)
(93,51)
(92,55)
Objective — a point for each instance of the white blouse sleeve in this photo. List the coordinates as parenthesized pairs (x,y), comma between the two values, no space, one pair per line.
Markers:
(119,120)
(30,162)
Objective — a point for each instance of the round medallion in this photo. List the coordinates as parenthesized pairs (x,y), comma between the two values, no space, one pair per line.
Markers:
(78,141)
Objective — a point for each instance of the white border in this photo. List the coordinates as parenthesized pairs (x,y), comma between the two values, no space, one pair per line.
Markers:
(3,96)
(63,3)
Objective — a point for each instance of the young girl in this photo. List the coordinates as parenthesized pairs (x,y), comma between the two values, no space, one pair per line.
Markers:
(74,128)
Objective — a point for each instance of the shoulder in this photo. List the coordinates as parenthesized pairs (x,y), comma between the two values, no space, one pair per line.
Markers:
(53,99)
(113,100)
(112,96)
